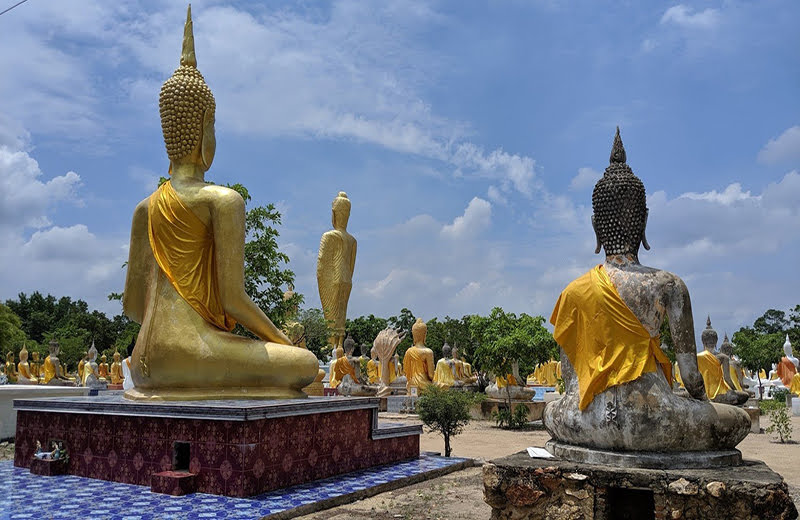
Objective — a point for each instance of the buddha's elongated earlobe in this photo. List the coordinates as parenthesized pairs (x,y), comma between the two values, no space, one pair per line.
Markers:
(597,237)
(644,229)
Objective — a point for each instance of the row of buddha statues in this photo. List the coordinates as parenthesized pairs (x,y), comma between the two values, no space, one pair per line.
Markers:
(53,372)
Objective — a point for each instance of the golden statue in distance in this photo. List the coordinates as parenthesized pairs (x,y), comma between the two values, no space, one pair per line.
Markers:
(335,264)
(24,373)
(116,370)
(418,360)
(185,280)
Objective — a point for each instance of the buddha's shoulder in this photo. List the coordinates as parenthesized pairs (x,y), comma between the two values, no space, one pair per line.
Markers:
(217,195)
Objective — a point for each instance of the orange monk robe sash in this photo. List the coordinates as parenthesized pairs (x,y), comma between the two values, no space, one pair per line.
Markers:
(786,371)
(184,249)
(602,338)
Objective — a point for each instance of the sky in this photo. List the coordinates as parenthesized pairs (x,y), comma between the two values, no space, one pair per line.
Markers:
(468,136)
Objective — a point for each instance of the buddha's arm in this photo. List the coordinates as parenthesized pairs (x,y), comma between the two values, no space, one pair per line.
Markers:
(326,267)
(726,372)
(681,324)
(429,363)
(140,257)
(228,222)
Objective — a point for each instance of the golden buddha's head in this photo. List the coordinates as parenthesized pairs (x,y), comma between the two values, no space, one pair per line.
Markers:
(418,331)
(619,204)
(35,356)
(116,357)
(23,354)
(103,358)
(187,108)
(10,356)
(339,352)
(340,211)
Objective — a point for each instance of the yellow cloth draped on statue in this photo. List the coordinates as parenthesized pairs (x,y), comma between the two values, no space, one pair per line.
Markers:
(547,373)
(503,382)
(443,376)
(602,338)
(786,371)
(795,387)
(711,370)
(416,369)
(183,246)
(341,368)
(49,370)
(373,371)
(735,377)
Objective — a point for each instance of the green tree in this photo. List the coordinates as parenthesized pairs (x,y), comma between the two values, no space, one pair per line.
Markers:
(365,329)
(505,338)
(445,411)
(316,330)
(11,334)
(771,322)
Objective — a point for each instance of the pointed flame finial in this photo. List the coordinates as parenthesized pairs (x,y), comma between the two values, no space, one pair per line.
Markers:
(708,322)
(187,53)
(617,150)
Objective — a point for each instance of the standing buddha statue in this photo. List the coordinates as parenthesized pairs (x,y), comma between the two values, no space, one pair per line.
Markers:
(335,265)
(618,382)
(418,360)
(185,279)
(116,370)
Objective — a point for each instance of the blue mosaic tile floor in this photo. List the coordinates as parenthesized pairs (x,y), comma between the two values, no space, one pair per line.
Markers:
(32,496)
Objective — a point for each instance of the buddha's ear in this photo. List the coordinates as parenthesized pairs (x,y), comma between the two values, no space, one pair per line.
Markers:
(597,237)
(208,141)
(644,229)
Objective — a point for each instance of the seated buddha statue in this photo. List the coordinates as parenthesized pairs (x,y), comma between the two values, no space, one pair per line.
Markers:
(36,367)
(102,368)
(54,374)
(787,368)
(185,279)
(618,394)
(418,359)
(373,367)
(445,374)
(511,386)
(117,377)
(736,371)
(24,374)
(11,369)
(81,364)
(340,368)
(464,369)
(715,369)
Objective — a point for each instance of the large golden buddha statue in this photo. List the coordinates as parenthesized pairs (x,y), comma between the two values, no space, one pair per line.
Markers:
(185,280)
(618,382)
(335,265)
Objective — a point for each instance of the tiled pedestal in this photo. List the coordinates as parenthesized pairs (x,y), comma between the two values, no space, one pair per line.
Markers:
(235,448)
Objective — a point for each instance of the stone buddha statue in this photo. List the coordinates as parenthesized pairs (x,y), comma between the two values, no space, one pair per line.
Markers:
(736,370)
(91,371)
(335,266)
(11,369)
(511,386)
(185,280)
(464,369)
(715,369)
(340,368)
(53,372)
(445,374)
(418,360)
(24,374)
(787,368)
(618,393)
(115,372)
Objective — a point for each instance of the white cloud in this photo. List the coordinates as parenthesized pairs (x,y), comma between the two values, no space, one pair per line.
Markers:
(475,219)
(496,196)
(687,17)
(784,148)
(585,178)
(733,193)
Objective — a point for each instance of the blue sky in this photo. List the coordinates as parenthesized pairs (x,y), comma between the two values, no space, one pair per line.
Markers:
(468,136)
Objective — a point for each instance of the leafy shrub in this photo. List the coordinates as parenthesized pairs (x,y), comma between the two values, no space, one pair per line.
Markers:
(781,424)
(445,411)
(517,420)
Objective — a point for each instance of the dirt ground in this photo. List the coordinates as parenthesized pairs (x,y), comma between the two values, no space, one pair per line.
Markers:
(460,495)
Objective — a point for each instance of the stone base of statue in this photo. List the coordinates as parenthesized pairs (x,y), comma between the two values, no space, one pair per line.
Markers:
(234,448)
(49,467)
(526,488)
(352,388)
(517,393)
(486,409)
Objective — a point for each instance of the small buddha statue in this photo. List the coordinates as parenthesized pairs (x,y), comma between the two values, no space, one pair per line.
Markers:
(36,367)
(117,377)
(296,333)
(511,386)
(418,361)
(445,374)
(373,368)
(340,368)
(24,374)
(736,370)
(787,368)
(335,266)
(464,369)
(53,371)
(715,368)
(185,272)
(102,369)
(81,365)
(618,382)
(91,371)
(397,364)
(11,369)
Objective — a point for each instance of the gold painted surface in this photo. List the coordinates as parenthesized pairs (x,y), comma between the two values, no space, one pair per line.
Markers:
(795,386)
(24,373)
(335,265)
(372,371)
(116,370)
(443,375)
(11,369)
(602,338)
(418,360)
(179,354)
